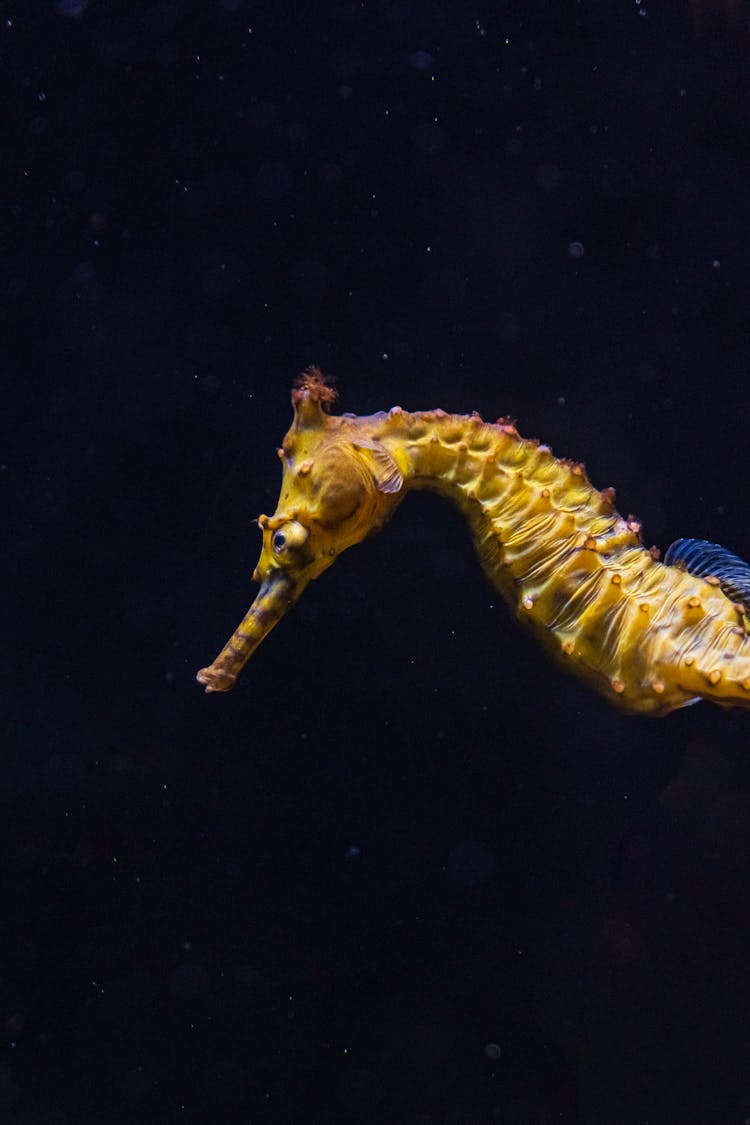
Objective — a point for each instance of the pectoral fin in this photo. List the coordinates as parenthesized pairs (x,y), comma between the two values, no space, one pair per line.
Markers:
(382,465)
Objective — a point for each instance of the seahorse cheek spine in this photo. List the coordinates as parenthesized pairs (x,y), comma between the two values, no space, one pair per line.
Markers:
(650,637)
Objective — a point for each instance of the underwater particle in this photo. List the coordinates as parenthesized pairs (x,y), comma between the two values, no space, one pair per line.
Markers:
(73,182)
(273,180)
(493,1051)
(548,176)
(444,288)
(361,1090)
(71,8)
(429,138)
(297,133)
(576,249)
(65,770)
(134,1084)
(217,283)
(420,60)
(260,114)
(470,863)
(190,982)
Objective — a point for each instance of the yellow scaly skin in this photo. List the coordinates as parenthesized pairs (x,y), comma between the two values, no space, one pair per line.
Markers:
(649,637)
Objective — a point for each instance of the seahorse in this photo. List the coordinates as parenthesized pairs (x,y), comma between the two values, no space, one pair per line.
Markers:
(651,636)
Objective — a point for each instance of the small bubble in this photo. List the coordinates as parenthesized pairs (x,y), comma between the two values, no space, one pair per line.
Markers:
(420,60)
(274,179)
(217,283)
(429,138)
(73,182)
(65,770)
(297,133)
(471,863)
(72,8)
(211,384)
(190,982)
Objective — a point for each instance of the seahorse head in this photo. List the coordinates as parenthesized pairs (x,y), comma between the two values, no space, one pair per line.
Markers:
(338,485)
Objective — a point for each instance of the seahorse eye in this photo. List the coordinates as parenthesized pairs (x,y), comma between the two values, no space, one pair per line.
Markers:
(291,537)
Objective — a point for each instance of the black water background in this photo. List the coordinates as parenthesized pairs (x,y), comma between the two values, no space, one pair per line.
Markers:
(408,872)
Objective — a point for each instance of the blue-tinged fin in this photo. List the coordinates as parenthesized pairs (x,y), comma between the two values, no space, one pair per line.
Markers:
(709,560)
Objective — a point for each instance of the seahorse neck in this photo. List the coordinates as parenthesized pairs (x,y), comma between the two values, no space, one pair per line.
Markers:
(488,469)
(527,510)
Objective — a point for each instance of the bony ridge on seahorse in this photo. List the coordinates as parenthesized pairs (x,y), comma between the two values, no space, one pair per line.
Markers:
(650,636)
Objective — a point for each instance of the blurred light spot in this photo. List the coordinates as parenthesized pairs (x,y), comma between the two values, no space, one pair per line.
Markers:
(65,770)
(261,114)
(420,60)
(361,1090)
(273,179)
(310,278)
(211,384)
(576,249)
(613,179)
(73,182)
(167,54)
(134,1084)
(217,283)
(228,1081)
(71,8)
(471,863)
(429,138)
(445,288)
(548,176)
(329,174)
(190,982)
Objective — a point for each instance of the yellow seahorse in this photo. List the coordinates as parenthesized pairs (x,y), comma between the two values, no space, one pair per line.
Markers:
(650,636)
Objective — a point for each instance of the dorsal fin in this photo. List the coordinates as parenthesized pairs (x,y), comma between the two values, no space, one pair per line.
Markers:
(709,560)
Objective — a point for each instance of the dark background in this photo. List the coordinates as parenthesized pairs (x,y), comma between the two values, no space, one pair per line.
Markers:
(407,872)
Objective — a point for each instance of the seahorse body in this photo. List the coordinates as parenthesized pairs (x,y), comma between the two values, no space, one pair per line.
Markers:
(649,636)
